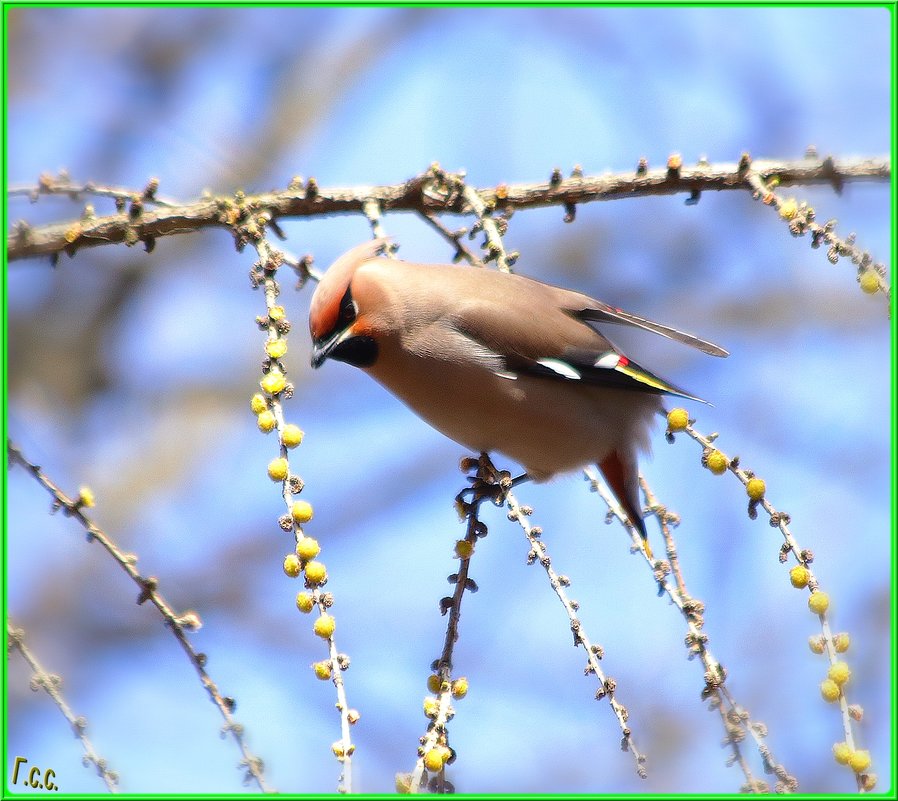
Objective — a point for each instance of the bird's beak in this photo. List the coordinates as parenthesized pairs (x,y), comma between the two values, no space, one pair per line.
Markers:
(322,349)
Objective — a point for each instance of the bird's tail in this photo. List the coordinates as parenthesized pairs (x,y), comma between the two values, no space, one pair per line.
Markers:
(622,475)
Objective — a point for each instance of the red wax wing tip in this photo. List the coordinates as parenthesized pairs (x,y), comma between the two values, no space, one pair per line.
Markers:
(623,360)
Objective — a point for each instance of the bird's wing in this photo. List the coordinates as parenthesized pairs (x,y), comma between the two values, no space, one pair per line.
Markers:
(609,368)
(515,326)
(598,312)
(547,342)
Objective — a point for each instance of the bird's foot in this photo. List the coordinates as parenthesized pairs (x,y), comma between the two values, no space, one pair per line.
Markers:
(487,483)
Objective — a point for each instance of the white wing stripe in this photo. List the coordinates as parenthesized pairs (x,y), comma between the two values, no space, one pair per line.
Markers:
(608,360)
(562,368)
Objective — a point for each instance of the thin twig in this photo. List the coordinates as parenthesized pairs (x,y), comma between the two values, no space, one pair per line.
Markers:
(303,268)
(51,684)
(733,717)
(493,245)
(804,557)
(462,251)
(539,552)
(179,624)
(801,220)
(440,709)
(264,272)
(371,210)
(63,185)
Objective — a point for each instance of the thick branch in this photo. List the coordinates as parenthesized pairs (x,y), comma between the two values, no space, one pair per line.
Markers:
(425,194)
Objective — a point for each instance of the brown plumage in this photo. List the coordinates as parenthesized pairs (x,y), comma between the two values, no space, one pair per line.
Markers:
(497,362)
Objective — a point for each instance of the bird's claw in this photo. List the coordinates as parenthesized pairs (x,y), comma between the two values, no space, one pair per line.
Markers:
(487,483)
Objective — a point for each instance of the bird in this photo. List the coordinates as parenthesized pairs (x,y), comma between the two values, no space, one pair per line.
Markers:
(498,362)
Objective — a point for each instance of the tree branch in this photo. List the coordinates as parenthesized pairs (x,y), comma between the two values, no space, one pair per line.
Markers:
(427,194)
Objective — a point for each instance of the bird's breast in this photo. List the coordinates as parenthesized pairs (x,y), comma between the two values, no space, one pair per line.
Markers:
(548,426)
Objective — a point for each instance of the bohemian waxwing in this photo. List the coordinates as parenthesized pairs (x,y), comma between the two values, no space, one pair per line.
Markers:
(497,361)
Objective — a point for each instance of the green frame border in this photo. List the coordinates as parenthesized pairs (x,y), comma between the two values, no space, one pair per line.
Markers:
(893,9)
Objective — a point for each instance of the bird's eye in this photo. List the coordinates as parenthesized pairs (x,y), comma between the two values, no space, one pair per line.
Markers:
(347,311)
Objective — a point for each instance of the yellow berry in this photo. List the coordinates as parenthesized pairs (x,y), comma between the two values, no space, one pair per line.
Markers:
(403,783)
(842,753)
(859,761)
(677,419)
(433,683)
(266,421)
(291,565)
(829,690)
(278,469)
(276,348)
(86,497)
(291,436)
(841,641)
(301,511)
(816,644)
(839,673)
(464,549)
(434,759)
(323,669)
(799,576)
(276,312)
(431,707)
(273,382)
(460,687)
(869,281)
(325,626)
(788,209)
(258,403)
(756,488)
(316,573)
(818,603)
(304,602)
(307,548)
(717,463)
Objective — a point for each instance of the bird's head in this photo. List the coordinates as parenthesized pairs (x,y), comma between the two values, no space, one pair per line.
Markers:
(341,318)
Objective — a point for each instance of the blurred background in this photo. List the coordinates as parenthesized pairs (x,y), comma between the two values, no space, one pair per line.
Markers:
(132,373)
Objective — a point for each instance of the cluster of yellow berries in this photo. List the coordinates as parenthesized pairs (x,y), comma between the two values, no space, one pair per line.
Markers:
(858,761)
(714,460)
(458,688)
(291,435)
(436,757)
(839,673)
(302,559)
(831,686)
